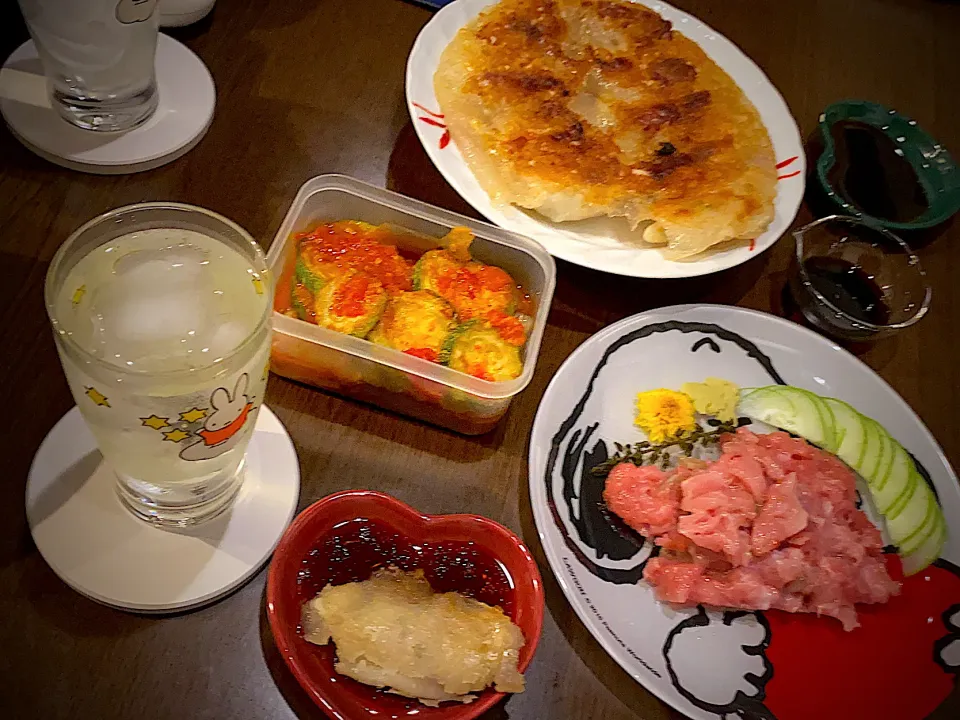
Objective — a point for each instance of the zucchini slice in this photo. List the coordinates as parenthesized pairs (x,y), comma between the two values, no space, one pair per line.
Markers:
(432,267)
(417,322)
(302,302)
(351,304)
(313,275)
(478,349)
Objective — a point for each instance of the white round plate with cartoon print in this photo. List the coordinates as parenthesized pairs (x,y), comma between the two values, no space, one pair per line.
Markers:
(594,243)
(711,664)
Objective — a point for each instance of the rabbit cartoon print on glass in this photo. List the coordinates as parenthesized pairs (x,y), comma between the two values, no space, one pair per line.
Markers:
(222,423)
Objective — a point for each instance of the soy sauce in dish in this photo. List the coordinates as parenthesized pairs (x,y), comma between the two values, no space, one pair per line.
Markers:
(352,550)
(870,174)
(848,288)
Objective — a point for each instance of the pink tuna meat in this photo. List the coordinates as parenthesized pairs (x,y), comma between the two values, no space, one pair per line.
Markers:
(772,523)
(643,497)
(780,517)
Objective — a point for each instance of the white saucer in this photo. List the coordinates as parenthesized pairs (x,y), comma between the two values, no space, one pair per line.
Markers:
(102,551)
(186,95)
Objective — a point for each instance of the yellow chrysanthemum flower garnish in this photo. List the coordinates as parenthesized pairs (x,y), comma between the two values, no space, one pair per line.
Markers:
(665,414)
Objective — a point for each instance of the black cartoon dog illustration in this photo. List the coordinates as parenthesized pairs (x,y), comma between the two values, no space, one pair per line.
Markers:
(600,541)
(741,692)
(741,685)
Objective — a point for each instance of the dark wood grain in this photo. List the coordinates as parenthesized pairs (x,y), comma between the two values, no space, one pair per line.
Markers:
(312,87)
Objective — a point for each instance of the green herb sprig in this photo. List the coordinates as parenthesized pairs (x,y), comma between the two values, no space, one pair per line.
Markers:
(647,453)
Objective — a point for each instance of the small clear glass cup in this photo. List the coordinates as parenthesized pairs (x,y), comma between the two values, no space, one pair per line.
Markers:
(161,316)
(99,59)
(855,281)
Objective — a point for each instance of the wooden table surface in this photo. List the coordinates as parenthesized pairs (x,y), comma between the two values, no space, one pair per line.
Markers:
(306,88)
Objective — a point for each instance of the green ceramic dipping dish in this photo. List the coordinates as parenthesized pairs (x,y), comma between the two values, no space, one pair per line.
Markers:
(937,173)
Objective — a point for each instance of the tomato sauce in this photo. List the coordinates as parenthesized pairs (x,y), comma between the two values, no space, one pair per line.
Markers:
(424,354)
(350,299)
(356,246)
(509,327)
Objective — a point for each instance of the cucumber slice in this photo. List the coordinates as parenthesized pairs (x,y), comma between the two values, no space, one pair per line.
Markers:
(839,428)
(916,484)
(899,466)
(876,464)
(852,431)
(830,433)
(914,519)
(928,551)
(766,402)
(790,409)
(893,502)
(840,420)
(872,447)
(889,490)
(909,530)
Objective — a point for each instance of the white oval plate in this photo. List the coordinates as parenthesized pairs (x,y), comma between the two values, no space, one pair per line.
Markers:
(712,664)
(592,243)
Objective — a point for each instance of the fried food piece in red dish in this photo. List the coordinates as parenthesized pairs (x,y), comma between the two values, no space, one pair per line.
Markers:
(394,631)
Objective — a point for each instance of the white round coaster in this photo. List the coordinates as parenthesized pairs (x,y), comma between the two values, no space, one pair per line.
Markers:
(102,551)
(186,96)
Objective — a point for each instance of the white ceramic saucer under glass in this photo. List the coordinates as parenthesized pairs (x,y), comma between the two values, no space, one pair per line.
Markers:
(102,551)
(186,95)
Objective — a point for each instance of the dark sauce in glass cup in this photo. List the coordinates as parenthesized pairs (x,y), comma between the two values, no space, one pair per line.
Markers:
(855,281)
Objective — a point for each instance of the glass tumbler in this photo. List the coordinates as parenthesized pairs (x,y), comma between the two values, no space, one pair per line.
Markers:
(161,316)
(98,56)
(856,281)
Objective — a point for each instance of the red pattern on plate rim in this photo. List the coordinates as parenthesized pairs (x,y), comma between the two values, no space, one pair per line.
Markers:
(780,165)
(784,163)
(313,665)
(428,111)
(445,138)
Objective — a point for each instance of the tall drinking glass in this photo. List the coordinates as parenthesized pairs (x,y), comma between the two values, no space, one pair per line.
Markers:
(98,56)
(161,315)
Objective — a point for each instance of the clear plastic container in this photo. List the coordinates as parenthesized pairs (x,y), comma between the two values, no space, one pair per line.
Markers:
(383,376)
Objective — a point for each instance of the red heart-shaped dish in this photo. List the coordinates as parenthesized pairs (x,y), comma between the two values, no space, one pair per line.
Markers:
(464,553)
